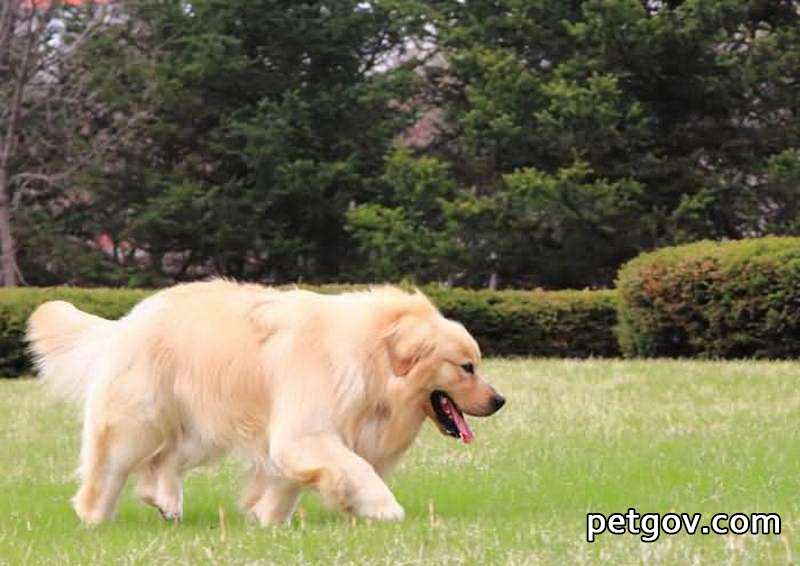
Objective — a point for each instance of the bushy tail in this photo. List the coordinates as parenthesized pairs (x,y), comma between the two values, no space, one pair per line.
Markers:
(66,344)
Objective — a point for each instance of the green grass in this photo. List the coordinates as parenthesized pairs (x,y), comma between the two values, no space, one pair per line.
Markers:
(575,437)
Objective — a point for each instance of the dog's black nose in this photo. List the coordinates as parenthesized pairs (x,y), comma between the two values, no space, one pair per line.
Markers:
(498,402)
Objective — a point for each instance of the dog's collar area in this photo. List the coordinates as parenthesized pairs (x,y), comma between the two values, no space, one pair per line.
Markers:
(450,417)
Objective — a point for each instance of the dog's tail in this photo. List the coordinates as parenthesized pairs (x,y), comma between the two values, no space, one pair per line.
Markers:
(66,344)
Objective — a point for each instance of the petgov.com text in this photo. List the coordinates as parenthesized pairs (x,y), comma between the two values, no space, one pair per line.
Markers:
(650,526)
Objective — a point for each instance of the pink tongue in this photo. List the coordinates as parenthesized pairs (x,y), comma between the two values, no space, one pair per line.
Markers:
(458,418)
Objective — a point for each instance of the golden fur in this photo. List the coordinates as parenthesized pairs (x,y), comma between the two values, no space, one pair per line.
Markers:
(313,390)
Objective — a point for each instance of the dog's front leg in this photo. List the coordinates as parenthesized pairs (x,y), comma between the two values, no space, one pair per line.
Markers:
(345,480)
(270,498)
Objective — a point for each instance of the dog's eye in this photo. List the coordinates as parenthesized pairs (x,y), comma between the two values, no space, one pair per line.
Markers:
(469,368)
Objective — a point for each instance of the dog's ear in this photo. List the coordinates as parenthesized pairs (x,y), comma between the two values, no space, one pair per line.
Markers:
(408,341)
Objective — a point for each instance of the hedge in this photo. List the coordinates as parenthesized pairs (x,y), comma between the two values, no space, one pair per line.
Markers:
(526,323)
(567,324)
(738,299)
(16,305)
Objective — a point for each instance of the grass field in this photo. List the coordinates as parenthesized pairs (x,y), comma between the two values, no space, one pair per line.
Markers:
(575,437)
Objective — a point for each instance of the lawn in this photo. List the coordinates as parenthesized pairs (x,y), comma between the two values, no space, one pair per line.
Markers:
(575,437)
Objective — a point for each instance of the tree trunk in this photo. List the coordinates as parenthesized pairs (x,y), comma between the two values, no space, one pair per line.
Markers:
(9,271)
(8,257)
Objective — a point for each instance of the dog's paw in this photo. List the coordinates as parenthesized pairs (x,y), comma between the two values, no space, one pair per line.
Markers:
(386,510)
(89,520)
(171,515)
(88,515)
(265,519)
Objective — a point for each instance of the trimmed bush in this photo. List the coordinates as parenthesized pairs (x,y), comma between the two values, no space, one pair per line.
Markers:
(536,323)
(567,324)
(738,299)
(16,305)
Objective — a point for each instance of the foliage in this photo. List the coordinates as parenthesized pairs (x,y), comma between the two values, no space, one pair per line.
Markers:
(427,229)
(280,141)
(564,323)
(690,102)
(52,125)
(265,122)
(403,234)
(558,211)
(713,299)
(783,181)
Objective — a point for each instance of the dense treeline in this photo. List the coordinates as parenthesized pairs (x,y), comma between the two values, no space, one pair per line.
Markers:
(507,142)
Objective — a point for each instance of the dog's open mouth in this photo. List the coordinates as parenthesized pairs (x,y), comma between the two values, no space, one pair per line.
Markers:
(450,418)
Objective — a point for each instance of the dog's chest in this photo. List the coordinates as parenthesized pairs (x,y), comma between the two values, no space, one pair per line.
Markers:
(382,438)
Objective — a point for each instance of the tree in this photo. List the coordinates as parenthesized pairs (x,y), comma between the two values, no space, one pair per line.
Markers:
(42,106)
(427,228)
(267,121)
(403,233)
(263,139)
(685,105)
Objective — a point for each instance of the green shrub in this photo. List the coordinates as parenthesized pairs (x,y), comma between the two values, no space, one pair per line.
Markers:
(535,323)
(569,324)
(16,305)
(713,299)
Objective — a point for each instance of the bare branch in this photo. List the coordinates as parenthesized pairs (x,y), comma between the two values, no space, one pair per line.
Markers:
(16,102)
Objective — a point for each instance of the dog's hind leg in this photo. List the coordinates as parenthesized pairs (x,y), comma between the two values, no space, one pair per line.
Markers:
(147,481)
(109,453)
(271,499)
(169,492)
(159,484)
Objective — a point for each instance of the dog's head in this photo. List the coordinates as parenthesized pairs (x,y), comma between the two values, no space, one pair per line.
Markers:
(439,363)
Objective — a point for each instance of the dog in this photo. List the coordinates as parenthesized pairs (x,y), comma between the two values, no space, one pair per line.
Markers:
(314,391)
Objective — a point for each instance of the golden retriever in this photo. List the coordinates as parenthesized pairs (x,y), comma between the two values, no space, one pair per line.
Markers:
(312,390)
